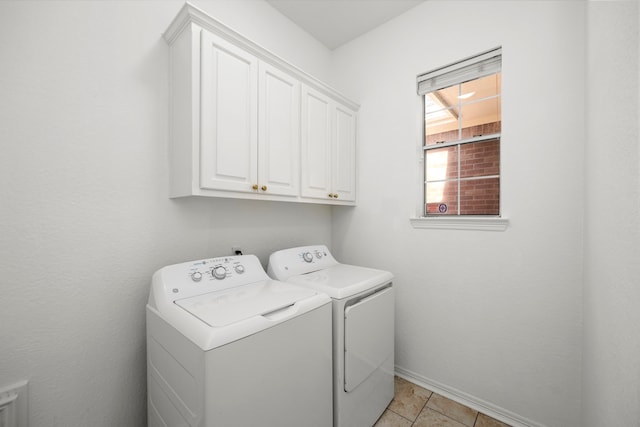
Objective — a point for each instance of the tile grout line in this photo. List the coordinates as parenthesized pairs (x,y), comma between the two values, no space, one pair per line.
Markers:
(476,420)
(413,423)
(445,415)
(400,415)
(421,409)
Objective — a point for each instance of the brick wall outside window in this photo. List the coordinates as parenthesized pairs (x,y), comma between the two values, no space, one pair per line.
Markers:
(477,196)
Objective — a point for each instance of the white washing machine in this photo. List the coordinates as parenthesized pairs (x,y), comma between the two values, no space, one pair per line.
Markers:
(363,328)
(228,346)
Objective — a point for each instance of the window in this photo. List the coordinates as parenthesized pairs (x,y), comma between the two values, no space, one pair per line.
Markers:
(461,145)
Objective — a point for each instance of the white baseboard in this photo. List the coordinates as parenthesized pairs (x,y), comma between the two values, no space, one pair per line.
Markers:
(466,399)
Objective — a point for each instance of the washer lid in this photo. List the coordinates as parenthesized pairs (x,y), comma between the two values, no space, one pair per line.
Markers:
(342,280)
(233,305)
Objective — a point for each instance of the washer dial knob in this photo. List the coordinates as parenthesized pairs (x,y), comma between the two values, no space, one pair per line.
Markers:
(239,268)
(196,276)
(219,272)
(307,256)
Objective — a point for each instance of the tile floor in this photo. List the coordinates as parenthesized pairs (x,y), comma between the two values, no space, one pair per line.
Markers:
(414,406)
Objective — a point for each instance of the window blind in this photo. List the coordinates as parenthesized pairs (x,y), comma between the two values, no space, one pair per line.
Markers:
(484,64)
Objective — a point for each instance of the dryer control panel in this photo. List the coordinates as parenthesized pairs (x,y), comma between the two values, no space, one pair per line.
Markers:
(209,275)
(301,260)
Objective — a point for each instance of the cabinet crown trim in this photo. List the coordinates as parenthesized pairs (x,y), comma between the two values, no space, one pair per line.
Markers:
(190,14)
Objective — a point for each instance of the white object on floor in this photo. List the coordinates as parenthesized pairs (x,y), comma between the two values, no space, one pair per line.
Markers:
(14,410)
(227,346)
(363,328)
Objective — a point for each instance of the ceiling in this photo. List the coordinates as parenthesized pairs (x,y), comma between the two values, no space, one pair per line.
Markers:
(335,22)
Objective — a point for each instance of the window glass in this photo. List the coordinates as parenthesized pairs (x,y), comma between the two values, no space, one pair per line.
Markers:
(462,148)
(442,198)
(480,159)
(442,163)
(441,120)
(477,114)
(484,87)
(480,196)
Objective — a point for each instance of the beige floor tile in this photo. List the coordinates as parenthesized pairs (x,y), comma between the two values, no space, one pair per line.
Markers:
(448,407)
(391,419)
(486,421)
(409,399)
(430,418)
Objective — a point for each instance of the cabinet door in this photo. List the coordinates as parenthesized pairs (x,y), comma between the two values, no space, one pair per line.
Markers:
(344,154)
(316,144)
(279,132)
(229,114)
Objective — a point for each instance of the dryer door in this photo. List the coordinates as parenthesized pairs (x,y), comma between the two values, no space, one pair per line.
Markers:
(368,340)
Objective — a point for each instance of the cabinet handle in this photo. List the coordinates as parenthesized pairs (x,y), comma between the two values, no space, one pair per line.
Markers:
(255,186)
(330,195)
(264,188)
(335,196)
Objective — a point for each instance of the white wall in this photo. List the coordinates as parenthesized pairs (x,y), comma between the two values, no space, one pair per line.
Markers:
(493,317)
(611,372)
(84,214)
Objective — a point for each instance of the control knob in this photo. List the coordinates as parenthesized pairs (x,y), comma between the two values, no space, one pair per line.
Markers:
(196,276)
(307,256)
(219,272)
(239,268)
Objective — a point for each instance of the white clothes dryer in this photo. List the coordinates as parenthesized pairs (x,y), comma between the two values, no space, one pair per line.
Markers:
(363,328)
(228,346)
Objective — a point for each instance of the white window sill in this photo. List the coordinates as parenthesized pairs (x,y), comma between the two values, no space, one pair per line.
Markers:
(461,223)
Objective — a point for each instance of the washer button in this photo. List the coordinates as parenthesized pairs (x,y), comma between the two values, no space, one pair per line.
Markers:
(219,272)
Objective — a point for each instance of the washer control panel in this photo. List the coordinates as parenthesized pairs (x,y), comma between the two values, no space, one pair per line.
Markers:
(301,260)
(314,254)
(210,275)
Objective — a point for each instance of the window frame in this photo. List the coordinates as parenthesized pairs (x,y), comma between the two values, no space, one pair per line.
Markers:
(460,70)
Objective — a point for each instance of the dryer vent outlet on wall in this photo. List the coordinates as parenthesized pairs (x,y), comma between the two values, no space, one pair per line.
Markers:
(13,405)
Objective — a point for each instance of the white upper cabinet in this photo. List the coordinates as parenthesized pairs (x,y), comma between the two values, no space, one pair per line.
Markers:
(328,148)
(279,132)
(250,122)
(229,119)
(316,144)
(246,124)
(343,164)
